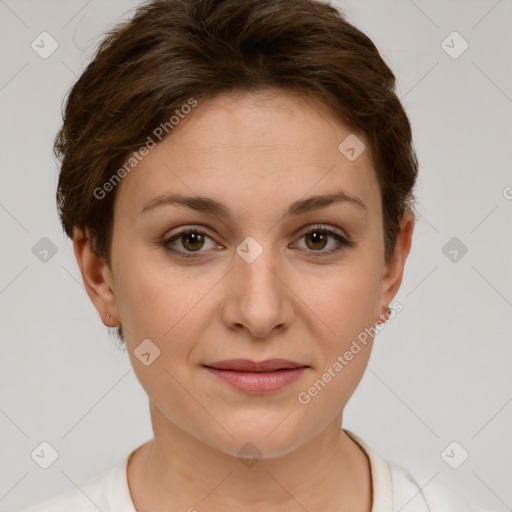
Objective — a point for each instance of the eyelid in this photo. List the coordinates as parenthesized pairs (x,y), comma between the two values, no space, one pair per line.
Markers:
(322,227)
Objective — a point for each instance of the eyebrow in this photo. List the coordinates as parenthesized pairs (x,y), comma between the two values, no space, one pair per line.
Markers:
(208,205)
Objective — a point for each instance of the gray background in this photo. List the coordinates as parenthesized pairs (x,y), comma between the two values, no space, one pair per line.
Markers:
(440,371)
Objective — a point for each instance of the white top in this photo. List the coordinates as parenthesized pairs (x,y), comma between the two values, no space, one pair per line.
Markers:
(394,490)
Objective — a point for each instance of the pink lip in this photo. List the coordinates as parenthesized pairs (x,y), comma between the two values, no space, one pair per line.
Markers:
(246,365)
(257,377)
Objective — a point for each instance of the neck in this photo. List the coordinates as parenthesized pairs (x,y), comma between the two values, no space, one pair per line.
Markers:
(175,471)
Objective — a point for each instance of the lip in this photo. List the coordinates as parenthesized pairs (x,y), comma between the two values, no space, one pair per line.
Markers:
(257,377)
(247,365)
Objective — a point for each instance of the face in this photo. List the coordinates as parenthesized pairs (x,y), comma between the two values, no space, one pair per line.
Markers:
(264,271)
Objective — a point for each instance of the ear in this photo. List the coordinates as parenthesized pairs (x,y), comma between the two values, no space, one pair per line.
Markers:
(393,270)
(97,277)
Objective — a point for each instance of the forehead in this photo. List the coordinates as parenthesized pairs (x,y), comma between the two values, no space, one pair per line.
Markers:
(238,145)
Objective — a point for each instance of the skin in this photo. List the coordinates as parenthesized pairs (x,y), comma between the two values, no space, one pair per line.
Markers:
(256,153)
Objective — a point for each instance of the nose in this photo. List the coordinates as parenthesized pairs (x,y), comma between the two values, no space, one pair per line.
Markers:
(258,298)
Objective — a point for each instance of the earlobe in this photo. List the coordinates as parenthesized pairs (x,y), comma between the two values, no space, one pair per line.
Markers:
(96,276)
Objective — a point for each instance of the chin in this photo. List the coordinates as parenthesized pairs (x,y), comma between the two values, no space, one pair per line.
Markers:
(264,437)
(253,449)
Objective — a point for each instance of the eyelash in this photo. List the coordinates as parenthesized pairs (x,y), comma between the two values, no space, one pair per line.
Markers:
(342,242)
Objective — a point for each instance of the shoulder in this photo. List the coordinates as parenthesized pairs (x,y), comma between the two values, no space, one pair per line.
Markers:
(71,500)
(420,494)
(92,496)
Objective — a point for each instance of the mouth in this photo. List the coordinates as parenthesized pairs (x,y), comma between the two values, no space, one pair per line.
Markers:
(255,377)
(246,365)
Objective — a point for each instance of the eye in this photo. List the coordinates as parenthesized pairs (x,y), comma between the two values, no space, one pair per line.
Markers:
(192,240)
(317,239)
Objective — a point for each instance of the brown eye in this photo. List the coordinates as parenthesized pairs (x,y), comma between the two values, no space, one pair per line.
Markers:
(318,240)
(192,241)
(321,241)
(189,241)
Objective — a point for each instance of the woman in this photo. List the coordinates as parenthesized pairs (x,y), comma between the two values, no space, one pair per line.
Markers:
(237,179)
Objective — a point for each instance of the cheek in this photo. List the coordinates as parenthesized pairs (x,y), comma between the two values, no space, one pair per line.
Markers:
(343,306)
(141,296)
(169,306)
(147,296)
(345,300)
(160,308)
(344,316)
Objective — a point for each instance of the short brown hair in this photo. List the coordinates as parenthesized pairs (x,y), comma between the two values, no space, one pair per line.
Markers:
(172,50)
